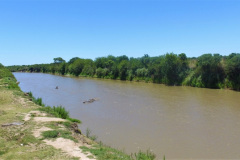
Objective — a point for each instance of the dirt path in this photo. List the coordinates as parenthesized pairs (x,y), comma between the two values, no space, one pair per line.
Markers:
(66,145)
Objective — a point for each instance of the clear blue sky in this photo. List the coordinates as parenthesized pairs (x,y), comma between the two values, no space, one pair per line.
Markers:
(36,31)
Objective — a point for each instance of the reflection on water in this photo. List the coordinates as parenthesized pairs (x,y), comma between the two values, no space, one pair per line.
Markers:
(179,122)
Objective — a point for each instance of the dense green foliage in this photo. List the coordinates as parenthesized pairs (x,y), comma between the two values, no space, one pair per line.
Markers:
(5,72)
(7,78)
(233,70)
(148,155)
(208,70)
(58,111)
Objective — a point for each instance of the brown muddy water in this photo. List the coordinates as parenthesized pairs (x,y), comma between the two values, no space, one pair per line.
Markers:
(178,122)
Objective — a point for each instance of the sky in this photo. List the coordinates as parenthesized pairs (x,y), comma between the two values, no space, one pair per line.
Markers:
(36,31)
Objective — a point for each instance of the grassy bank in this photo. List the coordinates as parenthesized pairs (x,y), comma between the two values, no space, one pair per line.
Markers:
(29,129)
(18,141)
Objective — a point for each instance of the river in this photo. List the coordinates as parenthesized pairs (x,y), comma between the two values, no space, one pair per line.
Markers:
(178,122)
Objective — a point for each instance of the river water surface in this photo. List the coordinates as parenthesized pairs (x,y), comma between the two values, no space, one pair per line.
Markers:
(178,122)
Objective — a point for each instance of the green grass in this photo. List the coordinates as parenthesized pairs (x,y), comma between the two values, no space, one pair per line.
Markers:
(57,125)
(148,155)
(5,72)
(58,133)
(104,153)
(38,101)
(88,135)
(66,124)
(61,112)
(50,134)
(58,111)
(74,120)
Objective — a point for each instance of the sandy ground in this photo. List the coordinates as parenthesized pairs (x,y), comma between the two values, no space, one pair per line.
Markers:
(48,119)
(66,145)
(35,113)
(37,132)
(69,147)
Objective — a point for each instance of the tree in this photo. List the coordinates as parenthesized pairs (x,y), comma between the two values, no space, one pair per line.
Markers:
(145,60)
(210,70)
(156,69)
(170,69)
(142,72)
(63,68)
(183,66)
(89,67)
(58,60)
(233,70)
(77,67)
(123,67)
(73,60)
(122,58)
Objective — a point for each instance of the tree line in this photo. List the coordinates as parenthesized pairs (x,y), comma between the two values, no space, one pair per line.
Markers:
(206,71)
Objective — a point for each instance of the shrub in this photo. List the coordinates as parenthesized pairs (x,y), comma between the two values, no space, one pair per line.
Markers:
(148,155)
(38,101)
(88,132)
(61,112)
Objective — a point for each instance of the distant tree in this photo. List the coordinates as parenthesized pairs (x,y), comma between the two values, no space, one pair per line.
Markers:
(134,64)
(100,72)
(73,60)
(58,60)
(63,68)
(110,57)
(210,70)
(101,62)
(114,73)
(89,67)
(142,72)
(156,69)
(145,60)
(123,67)
(53,68)
(77,67)
(122,58)
(170,69)
(233,70)
(183,66)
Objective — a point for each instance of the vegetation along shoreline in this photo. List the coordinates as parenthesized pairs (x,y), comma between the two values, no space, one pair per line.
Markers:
(206,71)
(31,130)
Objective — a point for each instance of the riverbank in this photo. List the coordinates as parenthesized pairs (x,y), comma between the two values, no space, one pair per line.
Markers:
(207,71)
(30,131)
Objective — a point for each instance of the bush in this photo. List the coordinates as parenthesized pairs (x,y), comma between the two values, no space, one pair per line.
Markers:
(61,112)
(233,71)
(38,101)
(30,94)
(148,155)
